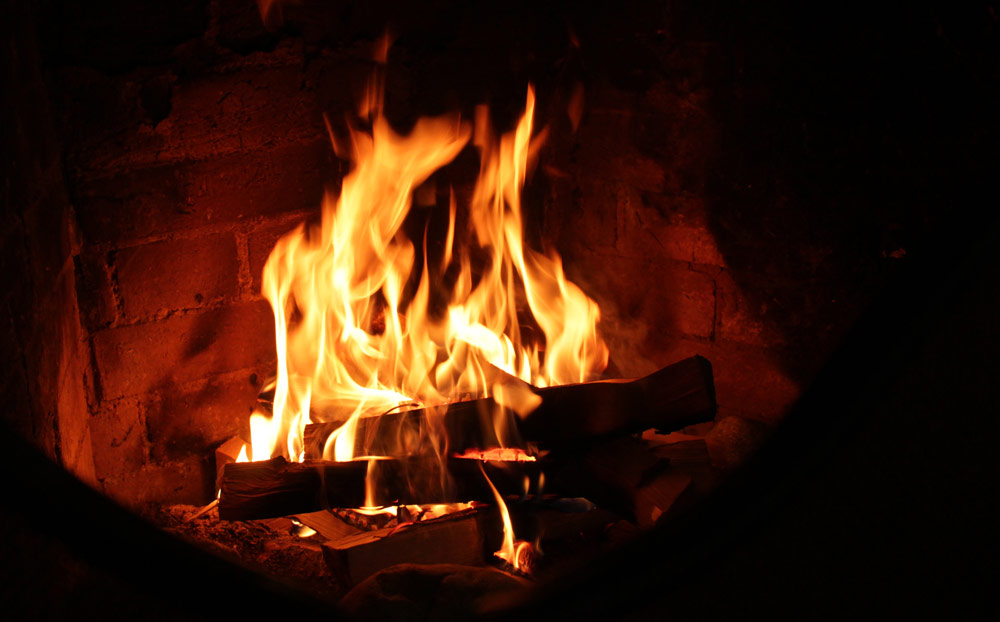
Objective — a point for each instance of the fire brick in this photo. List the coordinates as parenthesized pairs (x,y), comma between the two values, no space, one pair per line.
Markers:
(752,382)
(175,197)
(673,300)
(118,437)
(146,357)
(738,320)
(649,233)
(259,245)
(179,481)
(214,115)
(176,274)
(196,417)
(693,296)
(595,227)
(93,289)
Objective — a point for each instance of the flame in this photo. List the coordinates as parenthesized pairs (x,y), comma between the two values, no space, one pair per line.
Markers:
(517,553)
(365,322)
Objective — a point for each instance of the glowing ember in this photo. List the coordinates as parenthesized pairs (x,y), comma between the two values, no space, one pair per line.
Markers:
(501,454)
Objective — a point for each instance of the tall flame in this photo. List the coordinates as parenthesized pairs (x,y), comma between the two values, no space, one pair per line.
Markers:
(360,327)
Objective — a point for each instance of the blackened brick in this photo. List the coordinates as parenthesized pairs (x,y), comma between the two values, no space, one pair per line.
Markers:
(214,115)
(740,319)
(196,417)
(259,246)
(752,382)
(592,223)
(118,438)
(94,291)
(668,298)
(649,231)
(694,302)
(188,481)
(176,274)
(147,357)
(169,198)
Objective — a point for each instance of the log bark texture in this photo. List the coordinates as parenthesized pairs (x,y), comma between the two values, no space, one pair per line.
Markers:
(584,427)
(276,487)
(676,396)
(447,540)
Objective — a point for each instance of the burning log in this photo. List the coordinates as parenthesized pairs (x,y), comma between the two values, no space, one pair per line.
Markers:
(676,396)
(276,487)
(327,524)
(571,419)
(447,540)
(226,453)
(468,537)
(621,475)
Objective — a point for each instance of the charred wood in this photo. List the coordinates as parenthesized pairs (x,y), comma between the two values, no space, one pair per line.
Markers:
(446,540)
(676,396)
(621,475)
(276,487)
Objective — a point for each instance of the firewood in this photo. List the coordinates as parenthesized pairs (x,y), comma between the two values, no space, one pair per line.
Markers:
(327,524)
(470,537)
(224,454)
(671,398)
(446,540)
(625,476)
(276,487)
(657,499)
(687,454)
(678,448)
(253,490)
(622,475)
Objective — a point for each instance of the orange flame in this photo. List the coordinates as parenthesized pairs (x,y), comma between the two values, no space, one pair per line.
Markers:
(362,325)
(517,553)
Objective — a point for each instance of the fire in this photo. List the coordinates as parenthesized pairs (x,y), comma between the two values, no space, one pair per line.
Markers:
(366,322)
(360,327)
(519,554)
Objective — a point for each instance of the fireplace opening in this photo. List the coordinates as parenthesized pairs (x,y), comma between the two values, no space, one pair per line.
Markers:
(712,177)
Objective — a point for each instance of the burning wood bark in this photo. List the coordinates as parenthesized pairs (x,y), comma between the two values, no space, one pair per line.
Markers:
(276,487)
(467,537)
(676,396)
(359,333)
(452,539)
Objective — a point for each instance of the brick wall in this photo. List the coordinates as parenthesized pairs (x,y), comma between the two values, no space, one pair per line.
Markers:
(630,213)
(177,213)
(45,375)
(699,214)
(184,171)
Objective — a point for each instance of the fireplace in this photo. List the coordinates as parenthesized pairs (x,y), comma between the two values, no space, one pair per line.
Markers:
(715,192)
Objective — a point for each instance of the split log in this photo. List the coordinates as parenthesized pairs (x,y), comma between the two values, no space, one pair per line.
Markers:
(466,538)
(676,396)
(689,455)
(446,540)
(625,476)
(276,487)
(327,524)
(621,475)
(226,453)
